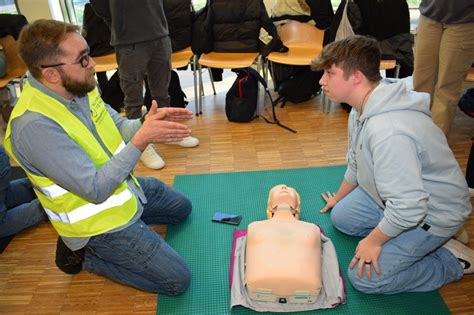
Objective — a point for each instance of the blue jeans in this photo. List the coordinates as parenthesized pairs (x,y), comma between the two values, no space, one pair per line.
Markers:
(138,256)
(411,262)
(19,208)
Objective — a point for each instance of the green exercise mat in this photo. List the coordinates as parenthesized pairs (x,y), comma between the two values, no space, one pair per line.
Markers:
(206,245)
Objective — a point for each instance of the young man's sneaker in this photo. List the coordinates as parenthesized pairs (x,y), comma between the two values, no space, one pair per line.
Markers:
(462,236)
(188,142)
(151,159)
(68,261)
(464,254)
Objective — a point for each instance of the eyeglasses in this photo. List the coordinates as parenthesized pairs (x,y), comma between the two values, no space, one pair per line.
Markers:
(83,61)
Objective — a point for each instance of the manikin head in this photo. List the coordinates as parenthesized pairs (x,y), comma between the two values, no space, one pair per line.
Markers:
(282,197)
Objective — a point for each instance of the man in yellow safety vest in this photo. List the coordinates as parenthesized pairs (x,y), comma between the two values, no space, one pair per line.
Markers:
(79,154)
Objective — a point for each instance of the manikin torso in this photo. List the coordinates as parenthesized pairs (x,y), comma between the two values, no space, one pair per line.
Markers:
(283,255)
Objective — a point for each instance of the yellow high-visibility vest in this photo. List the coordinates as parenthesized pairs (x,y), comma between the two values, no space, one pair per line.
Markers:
(70,214)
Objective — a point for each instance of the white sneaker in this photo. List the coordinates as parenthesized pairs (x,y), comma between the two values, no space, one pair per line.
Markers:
(188,142)
(464,254)
(462,236)
(151,159)
(471,192)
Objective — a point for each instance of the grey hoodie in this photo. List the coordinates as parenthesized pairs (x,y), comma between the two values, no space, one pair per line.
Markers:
(402,160)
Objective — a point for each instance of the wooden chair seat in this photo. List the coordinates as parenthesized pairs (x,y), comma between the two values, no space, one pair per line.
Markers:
(181,58)
(304,42)
(105,63)
(227,60)
(470,75)
(15,66)
(387,64)
(298,56)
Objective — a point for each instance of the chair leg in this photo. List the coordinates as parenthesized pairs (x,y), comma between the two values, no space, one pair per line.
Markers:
(212,80)
(200,82)
(397,70)
(196,99)
(326,103)
(265,78)
(200,89)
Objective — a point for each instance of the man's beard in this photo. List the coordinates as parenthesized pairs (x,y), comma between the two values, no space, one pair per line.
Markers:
(77,88)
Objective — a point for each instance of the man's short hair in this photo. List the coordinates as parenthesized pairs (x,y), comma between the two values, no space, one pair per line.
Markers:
(39,43)
(352,54)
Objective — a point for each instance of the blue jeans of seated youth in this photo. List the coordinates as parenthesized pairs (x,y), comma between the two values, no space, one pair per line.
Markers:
(19,208)
(411,262)
(138,256)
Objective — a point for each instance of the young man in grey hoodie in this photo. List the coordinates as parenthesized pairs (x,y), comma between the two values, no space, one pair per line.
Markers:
(403,190)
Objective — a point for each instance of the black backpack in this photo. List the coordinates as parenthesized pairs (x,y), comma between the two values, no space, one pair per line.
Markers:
(241,99)
(112,93)
(295,84)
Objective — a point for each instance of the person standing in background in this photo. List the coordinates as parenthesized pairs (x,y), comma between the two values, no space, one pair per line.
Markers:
(139,34)
(444,51)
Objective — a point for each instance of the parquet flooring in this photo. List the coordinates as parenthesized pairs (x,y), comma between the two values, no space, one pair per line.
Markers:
(30,283)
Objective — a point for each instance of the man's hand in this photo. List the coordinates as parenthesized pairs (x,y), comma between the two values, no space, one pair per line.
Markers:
(331,201)
(366,256)
(368,252)
(169,113)
(160,126)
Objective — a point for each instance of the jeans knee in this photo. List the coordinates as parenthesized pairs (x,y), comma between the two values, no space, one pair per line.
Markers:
(376,285)
(185,209)
(362,285)
(179,285)
(183,283)
(337,218)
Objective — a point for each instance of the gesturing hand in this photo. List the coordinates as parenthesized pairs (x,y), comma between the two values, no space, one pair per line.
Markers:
(330,199)
(160,126)
(169,113)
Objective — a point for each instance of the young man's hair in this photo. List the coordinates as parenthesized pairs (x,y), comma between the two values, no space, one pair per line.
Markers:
(354,53)
(39,43)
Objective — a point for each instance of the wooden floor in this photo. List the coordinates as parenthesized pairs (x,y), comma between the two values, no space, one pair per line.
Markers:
(30,282)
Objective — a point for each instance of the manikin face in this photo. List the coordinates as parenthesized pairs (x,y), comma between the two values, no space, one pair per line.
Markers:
(77,73)
(282,194)
(335,86)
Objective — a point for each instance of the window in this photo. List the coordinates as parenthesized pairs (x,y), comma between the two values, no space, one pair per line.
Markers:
(413,4)
(78,6)
(73,11)
(8,6)
(198,4)
(335,4)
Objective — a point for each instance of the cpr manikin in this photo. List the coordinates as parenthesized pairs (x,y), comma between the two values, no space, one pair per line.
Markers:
(283,254)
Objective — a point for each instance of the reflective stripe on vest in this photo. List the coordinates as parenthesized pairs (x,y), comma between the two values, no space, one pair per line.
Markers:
(90,209)
(56,190)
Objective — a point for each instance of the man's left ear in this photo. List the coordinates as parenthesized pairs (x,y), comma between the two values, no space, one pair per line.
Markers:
(51,75)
